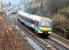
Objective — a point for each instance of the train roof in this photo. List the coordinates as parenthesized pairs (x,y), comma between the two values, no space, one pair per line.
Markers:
(33,17)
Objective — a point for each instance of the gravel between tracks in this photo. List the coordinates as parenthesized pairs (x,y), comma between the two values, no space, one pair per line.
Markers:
(60,40)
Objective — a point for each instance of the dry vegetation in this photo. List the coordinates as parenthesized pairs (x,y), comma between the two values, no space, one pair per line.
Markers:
(10,39)
(61,20)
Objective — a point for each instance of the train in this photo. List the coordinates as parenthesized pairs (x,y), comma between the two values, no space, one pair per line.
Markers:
(41,25)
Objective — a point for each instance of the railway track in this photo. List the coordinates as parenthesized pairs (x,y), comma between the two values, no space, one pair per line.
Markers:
(41,46)
(51,42)
(36,45)
(37,39)
(56,45)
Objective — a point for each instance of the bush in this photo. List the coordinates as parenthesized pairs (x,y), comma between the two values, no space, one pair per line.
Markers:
(58,19)
(31,10)
(64,11)
(61,20)
(42,10)
(66,27)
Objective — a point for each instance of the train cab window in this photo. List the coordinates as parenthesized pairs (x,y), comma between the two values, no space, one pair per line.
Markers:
(39,24)
(36,23)
(49,24)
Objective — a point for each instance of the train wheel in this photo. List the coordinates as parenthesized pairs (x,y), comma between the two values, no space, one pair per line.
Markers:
(45,35)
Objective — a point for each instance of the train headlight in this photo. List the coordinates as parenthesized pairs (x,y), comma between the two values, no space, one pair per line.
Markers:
(50,29)
(40,31)
(49,32)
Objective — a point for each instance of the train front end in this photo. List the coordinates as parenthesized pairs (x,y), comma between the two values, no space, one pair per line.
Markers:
(45,26)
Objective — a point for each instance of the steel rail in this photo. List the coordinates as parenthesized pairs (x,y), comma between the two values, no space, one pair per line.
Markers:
(26,33)
(56,45)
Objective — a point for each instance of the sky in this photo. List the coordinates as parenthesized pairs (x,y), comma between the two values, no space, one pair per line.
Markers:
(15,1)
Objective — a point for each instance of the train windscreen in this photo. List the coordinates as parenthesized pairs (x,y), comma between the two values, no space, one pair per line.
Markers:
(45,24)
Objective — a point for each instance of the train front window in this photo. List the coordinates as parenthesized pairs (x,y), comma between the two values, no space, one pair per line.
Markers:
(44,24)
(48,23)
